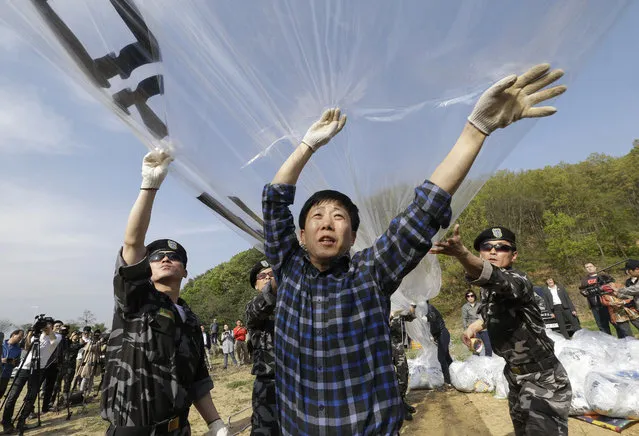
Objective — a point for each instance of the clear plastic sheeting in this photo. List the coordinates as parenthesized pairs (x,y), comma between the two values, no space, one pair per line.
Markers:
(233,89)
(425,372)
(478,374)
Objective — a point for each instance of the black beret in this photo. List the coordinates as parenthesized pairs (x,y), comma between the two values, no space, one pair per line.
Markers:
(167,245)
(631,264)
(259,266)
(494,234)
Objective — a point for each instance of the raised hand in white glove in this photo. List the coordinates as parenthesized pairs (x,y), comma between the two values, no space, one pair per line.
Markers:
(513,98)
(217,428)
(322,131)
(155,167)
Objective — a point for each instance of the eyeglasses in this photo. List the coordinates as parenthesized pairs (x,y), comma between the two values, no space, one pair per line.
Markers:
(500,248)
(265,275)
(159,255)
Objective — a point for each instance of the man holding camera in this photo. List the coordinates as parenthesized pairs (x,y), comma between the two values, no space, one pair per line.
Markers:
(591,289)
(155,359)
(31,373)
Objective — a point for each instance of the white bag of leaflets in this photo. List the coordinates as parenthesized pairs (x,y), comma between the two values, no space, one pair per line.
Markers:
(425,372)
(615,395)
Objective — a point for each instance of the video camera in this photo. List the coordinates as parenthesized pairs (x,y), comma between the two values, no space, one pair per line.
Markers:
(40,323)
(594,289)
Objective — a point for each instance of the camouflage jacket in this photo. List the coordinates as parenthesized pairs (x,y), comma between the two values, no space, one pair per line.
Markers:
(155,361)
(512,316)
(260,318)
(397,325)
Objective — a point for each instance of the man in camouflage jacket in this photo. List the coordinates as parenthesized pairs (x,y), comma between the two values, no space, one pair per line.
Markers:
(155,356)
(540,392)
(260,319)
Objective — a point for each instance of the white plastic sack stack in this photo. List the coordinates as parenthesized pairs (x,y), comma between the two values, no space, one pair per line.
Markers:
(613,394)
(598,367)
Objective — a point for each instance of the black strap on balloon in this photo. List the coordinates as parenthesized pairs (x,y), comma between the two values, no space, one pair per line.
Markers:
(144,51)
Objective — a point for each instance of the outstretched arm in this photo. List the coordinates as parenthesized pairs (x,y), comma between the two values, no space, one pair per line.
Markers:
(318,135)
(507,101)
(155,166)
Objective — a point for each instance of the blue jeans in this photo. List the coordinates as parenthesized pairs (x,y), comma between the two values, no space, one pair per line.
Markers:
(226,359)
(602,318)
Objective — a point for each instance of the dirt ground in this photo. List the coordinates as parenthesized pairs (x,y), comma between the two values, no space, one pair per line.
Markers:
(449,413)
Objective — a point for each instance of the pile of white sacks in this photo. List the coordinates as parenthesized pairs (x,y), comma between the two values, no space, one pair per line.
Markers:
(603,372)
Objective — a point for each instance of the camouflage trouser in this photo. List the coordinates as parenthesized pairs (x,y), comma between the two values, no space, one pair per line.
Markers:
(540,401)
(401,368)
(264,419)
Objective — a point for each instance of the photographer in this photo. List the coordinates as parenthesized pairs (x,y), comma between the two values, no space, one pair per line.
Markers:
(591,289)
(31,372)
(90,360)
(50,375)
(10,357)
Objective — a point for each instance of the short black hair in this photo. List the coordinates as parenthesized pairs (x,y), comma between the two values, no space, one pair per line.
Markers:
(57,321)
(16,332)
(330,195)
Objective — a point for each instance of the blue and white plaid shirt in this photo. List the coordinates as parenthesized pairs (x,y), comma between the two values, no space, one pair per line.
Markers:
(334,368)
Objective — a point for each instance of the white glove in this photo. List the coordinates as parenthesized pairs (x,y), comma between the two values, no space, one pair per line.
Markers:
(217,428)
(155,167)
(513,98)
(323,130)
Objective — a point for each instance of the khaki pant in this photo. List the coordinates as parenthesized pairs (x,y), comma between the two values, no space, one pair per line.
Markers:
(241,351)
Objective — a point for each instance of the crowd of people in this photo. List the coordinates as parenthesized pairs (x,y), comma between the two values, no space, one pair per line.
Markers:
(52,360)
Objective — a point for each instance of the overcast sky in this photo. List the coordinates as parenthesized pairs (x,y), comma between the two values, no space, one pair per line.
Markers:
(70,169)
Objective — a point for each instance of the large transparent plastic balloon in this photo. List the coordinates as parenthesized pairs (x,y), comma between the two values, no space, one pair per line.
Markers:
(232,87)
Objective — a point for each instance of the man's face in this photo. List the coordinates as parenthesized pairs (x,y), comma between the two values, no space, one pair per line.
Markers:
(633,272)
(202,328)
(327,233)
(590,268)
(165,265)
(263,278)
(550,282)
(499,253)
(57,326)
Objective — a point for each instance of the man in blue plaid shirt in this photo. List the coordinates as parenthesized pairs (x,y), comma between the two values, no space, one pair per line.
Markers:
(334,367)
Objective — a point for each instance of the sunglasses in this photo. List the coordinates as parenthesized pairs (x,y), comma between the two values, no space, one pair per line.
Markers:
(470,295)
(265,275)
(159,255)
(500,248)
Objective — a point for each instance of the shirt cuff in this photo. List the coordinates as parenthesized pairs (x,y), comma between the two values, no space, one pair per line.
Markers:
(132,273)
(484,277)
(434,200)
(200,388)
(279,193)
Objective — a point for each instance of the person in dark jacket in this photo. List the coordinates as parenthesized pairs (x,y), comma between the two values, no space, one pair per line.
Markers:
(441,336)
(559,303)
(260,319)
